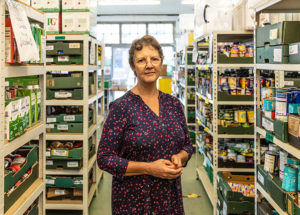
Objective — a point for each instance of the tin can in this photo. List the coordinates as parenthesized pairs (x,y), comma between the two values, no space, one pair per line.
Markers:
(241,159)
(290,178)
(267,93)
(282,161)
(274,148)
(271,162)
(269,104)
(282,103)
(295,97)
(293,161)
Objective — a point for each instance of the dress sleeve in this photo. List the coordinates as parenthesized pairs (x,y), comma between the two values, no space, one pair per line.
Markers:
(111,141)
(187,146)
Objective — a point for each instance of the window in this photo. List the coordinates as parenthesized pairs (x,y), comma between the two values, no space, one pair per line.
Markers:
(108,33)
(187,2)
(131,32)
(108,60)
(162,32)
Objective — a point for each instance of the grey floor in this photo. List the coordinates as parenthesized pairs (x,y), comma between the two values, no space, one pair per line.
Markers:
(193,206)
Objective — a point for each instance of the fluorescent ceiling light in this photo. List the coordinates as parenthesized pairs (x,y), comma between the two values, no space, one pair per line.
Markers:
(129,2)
(187,2)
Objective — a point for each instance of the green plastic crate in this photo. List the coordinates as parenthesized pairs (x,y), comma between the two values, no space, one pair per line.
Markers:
(65,94)
(63,82)
(65,127)
(223,59)
(65,60)
(64,182)
(223,96)
(235,130)
(274,188)
(64,164)
(281,130)
(64,48)
(267,54)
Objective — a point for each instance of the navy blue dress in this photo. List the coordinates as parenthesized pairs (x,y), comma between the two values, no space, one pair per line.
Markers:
(133,132)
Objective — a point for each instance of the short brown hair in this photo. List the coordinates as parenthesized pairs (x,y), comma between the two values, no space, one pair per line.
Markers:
(137,45)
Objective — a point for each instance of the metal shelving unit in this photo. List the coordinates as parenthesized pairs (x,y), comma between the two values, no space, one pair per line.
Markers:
(94,131)
(273,6)
(215,38)
(37,189)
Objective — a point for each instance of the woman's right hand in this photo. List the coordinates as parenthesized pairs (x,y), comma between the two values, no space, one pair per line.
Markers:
(164,169)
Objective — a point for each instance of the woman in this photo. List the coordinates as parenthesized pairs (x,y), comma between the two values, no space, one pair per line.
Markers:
(145,141)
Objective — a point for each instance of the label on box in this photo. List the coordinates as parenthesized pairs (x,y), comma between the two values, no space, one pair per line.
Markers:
(49,48)
(49,125)
(69,118)
(49,60)
(63,127)
(273,34)
(48,154)
(294,126)
(74,45)
(51,119)
(59,192)
(63,153)
(269,137)
(267,124)
(49,162)
(277,55)
(78,182)
(293,49)
(72,164)
(260,178)
(63,95)
(50,181)
(289,83)
(63,58)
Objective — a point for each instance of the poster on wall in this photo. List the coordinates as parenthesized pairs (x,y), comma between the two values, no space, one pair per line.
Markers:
(27,47)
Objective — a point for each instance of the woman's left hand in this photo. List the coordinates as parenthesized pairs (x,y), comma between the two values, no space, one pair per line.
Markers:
(176,160)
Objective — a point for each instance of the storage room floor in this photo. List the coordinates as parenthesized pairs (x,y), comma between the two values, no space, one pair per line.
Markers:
(193,206)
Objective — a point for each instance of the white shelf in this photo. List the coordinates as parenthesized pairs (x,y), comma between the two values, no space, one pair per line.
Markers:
(100,119)
(286,146)
(191,124)
(205,128)
(232,66)
(91,193)
(63,172)
(205,98)
(233,136)
(189,105)
(236,170)
(284,6)
(30,134)
(93,98)
(71,68)
(92,162)
(279,67)
(69,37)
(101,93)
(206,183)
(23,70)
(27,198)
(235,102)
(64,102)
(92,130)
(270,200)
(64,205)
(204,67)
(64,136)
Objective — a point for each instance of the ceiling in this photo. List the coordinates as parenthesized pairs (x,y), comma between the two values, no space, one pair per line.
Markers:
(166,7)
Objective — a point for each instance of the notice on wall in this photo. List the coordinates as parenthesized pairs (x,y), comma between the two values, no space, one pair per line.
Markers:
(27,47)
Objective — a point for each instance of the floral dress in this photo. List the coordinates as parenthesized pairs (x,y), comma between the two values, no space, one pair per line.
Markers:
(133,132)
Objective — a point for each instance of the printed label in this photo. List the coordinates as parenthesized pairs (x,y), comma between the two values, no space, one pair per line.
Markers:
(49,125)
(293,49)
(51,120)
(63,127)
(78,182)
(59,192)
(277,55)
(74,45)
(50,181)
(267,124)
(63,58)
(49,60)
(261,178)
(49,162)
(49,48)
(273,34)
(69,118)
(289,83)
(72,164)
(59,152)
(48,154)
(62,95)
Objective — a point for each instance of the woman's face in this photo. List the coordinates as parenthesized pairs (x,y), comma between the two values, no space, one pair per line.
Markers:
(147,64)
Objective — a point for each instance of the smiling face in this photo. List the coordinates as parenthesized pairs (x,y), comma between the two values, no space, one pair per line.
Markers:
(147,64)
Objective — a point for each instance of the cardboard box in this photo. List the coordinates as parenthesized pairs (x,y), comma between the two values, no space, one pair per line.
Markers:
(76,5)
(12,111)
(294,130)
(38,4)
(52,23)
(11,50)
(243,17)
(79,23)
(51,6)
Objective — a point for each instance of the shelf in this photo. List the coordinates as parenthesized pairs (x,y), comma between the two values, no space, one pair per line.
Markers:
(279,6)
(204,67)
(27,198)
(235,102)
(32,13)
(236,170)
(232,66)
(68,37)
(191,124)
(206,129)
(23,70)
(188,66)
(64,205)
(206,183)
(92,130)
(246,136)
(207,100)
(189,105)
(64,136)
(269,199)
(100,120)
(286,146)
(30,134)
(64,102)
(279,67)
(63,172)
(100,93)
(91,193)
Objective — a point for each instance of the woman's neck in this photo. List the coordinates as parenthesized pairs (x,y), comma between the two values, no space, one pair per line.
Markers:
(145,90)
